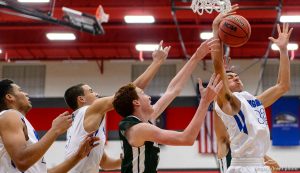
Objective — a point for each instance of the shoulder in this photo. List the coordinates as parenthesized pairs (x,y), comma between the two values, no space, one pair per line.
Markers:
(128,122)
(10,118)
(10,114)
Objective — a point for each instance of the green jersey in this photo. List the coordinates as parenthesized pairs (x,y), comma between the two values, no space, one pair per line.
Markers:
(143,159)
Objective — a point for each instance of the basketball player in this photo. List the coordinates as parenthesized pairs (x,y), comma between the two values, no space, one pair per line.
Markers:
(140,138)
(20,148)
(89,113)
(244,115)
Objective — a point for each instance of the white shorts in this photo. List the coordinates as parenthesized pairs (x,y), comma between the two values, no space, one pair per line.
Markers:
(248,165)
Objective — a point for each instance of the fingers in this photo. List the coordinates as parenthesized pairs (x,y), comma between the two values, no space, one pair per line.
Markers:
(290,32)
(272,39)
(233,9)
(167,49)
(219,86)
(278,29)
(216,80)
(160,45)
(64,114)
(201,88)
(212,78)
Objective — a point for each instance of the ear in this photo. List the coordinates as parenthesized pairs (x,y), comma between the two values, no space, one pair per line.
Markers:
(9,97)
(136,103)
(81,99)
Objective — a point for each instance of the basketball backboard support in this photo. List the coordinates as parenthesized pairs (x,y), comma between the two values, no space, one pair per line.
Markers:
(72,18)
(82,20)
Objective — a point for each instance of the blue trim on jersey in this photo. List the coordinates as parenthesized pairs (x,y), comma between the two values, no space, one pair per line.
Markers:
(242,125)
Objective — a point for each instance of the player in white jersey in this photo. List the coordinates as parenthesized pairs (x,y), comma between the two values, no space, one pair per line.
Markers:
(89,113)
(20,148)
(243,115)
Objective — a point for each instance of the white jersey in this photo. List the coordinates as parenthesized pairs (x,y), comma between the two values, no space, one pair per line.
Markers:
(75,134)
(248,130)
(7,165)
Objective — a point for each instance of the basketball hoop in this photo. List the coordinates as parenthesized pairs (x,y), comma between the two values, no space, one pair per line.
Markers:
(221,6)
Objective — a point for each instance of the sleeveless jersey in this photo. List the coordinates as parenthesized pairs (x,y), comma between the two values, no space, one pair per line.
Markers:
(75,134)
(7,165)
(248,130)
(143,159)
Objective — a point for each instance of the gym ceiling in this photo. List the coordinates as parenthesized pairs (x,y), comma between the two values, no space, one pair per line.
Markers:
(23,38)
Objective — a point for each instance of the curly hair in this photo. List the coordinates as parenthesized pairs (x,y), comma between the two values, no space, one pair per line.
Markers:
(123,100)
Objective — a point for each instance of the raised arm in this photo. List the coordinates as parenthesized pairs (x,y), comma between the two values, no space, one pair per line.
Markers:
(84,149)
(181,77)
(97,110)
(226,100)
(12,133)
(159,56)
(269,96)
(142,132)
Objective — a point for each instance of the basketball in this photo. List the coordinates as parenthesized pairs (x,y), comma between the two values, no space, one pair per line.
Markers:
(234,30)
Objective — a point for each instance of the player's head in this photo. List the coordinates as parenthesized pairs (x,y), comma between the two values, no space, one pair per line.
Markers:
(79,95)
(234,82)
(12,97)
(129,99)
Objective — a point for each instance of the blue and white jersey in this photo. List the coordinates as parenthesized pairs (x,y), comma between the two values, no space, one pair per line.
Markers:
(248,130)
(75,134)
(7,165)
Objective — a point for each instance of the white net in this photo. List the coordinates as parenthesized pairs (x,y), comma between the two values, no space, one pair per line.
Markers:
(199,6)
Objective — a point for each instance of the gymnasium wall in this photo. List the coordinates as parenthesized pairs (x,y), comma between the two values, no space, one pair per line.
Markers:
(60,75)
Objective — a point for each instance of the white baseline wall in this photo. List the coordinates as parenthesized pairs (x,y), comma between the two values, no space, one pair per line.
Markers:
(178,157)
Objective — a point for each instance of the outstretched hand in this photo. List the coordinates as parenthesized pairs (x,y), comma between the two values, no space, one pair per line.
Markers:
(161,53)
(87,145)
(214,86)
(283,36)
(221,16)
(274,166)
(210,45)
(62,122)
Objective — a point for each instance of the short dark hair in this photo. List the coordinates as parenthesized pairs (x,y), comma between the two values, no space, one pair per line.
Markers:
(123,100)
(71,95)
(5,88)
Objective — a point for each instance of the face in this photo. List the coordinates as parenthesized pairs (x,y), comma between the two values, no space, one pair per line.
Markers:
(89,95)
(144,101)
(234,82)
(21,99)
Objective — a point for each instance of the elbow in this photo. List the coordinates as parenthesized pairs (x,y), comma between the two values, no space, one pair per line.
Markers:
(22,166)
(284,88)
(188,141)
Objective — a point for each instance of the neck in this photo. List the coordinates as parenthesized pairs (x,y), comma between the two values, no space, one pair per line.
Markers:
(141,115)
(23,112)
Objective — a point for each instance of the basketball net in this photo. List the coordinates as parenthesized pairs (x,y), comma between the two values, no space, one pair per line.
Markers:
(199,6)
